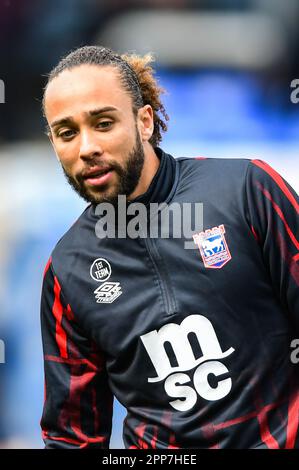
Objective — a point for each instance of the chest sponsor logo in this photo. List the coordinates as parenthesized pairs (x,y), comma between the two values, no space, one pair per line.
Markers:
(213,247)
(100,270)
(106,293)
(210,378)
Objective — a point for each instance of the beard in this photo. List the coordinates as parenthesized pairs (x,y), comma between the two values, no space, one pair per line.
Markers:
(128,178)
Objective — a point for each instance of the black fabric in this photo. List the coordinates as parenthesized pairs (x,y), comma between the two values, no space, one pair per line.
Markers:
(162,182)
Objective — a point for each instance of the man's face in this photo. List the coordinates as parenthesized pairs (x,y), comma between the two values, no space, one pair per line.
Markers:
(94,132)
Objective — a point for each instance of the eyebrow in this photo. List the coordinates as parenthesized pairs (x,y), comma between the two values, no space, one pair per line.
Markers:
(96,112)
(93,113)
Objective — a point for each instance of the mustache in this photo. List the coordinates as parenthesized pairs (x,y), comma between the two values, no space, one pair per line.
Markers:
(95,166)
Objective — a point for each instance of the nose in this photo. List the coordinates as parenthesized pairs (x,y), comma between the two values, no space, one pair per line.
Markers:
(89,145)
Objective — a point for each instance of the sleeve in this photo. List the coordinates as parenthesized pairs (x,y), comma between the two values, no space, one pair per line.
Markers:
(273,209)
(78,402)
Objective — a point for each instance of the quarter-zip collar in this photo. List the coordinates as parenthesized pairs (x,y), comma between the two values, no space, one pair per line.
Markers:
(163,181)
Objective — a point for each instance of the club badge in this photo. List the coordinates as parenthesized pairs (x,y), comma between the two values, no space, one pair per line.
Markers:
(213,247)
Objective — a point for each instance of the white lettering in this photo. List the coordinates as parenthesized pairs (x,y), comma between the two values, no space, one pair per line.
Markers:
(186,393)
(177,336)
(202,385)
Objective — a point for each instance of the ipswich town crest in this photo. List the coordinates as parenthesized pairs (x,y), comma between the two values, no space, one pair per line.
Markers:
(213,247)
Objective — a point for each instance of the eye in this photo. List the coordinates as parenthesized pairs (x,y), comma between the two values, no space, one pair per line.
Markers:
(104,124)
(66,135)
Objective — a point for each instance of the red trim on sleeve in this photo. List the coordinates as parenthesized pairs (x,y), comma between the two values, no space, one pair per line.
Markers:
(155,437)
(46,436)
(279,181)
(72,361)
(69,313)
(79,384)
(266,435)
(139,431)
(90,440)
(47,265)
(57,309)
(280,214)
(289,259)
(293,422)
(172,442)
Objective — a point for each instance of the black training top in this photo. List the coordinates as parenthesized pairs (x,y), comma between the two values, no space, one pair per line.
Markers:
(195,343)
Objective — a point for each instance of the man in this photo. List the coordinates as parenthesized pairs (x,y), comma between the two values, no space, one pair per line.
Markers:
(195,343)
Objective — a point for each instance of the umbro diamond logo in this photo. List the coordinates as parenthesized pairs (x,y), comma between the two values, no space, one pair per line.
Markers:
(108,292)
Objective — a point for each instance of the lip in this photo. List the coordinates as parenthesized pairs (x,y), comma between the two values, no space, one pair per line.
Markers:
(96,179)
(96,171)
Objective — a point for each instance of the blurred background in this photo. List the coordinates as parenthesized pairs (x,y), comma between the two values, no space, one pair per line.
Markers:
(227,66)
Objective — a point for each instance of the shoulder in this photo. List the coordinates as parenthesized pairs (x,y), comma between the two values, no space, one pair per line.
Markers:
(251,167)
(211,172)
(215,164)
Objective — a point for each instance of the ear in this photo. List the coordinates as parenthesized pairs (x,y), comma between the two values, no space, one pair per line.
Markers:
(146,122)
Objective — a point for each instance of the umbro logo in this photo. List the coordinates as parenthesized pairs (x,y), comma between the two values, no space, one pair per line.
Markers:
(107,292)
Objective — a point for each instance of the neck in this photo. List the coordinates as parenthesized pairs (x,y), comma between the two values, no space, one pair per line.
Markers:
(150,168)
